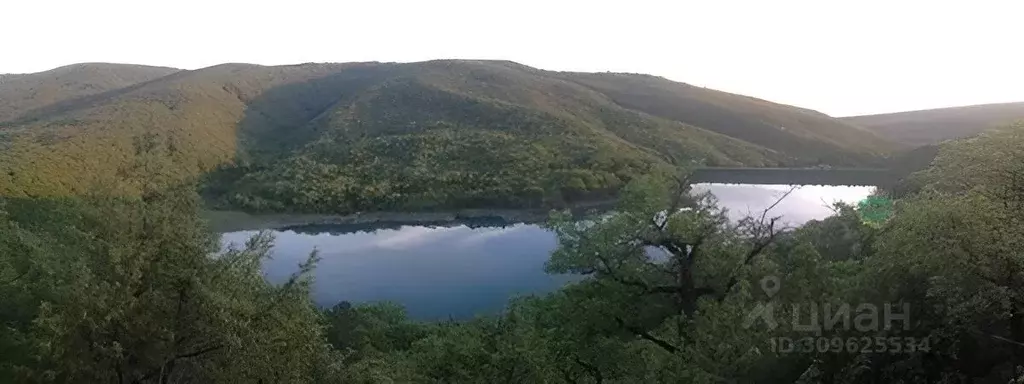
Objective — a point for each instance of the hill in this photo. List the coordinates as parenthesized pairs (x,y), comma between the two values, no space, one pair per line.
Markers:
(805,133)
(932,126)
(364,136)
(21,95)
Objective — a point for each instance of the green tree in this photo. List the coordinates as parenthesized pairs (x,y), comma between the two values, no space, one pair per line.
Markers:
(136,291)
(670,271)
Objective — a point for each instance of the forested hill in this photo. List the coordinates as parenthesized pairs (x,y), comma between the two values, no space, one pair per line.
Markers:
(22,95)
(935,125)
(801,132)
(359,136)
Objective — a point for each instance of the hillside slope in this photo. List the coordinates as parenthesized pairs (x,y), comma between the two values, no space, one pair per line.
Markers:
(21,94)
(362,136)
(809,135)
(172,129)
(935,125)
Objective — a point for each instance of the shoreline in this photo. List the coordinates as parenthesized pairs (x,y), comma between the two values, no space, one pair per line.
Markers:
(223,221)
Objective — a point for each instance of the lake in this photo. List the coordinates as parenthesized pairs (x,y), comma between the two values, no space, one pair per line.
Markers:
(462,271)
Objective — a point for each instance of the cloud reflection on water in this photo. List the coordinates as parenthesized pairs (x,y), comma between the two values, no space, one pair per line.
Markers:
(437,272)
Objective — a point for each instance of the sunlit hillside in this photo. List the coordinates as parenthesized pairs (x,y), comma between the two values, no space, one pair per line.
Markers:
(346,137)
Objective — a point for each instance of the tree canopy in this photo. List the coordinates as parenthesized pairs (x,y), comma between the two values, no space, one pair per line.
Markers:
(136,290)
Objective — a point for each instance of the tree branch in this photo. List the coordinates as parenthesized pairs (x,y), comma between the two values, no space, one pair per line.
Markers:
(175,358)
(645,287)
(763,236)
(678,192)
(606,270)
(777,201)
(647,336)
(199,352)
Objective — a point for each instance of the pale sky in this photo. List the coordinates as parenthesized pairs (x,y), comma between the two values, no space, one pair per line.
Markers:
(839,57)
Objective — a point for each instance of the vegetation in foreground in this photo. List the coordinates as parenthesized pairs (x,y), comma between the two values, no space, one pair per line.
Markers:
(132,290)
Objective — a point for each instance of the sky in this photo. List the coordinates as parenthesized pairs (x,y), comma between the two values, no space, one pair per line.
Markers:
(843,58)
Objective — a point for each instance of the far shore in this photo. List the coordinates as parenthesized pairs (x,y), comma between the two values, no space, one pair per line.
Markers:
(233,221)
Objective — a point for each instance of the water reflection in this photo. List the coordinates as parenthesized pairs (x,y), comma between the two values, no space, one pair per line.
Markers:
(805,203)
(344,229)
(435,272)
(474,268)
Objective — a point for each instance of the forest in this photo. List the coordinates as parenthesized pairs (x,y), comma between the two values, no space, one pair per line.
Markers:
(342,138)
(134,289)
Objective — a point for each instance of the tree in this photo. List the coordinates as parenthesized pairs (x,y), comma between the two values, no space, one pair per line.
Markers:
(661,265)
(136,291)
(952,252)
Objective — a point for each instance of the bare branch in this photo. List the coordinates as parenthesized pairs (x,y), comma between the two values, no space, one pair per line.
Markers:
(830,207)
(764,234)
(777,201)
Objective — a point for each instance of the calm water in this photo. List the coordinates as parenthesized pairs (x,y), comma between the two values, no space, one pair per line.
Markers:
(460,271)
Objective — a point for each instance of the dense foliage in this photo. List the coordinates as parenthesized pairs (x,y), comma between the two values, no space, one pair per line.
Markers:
(108,274)
(442,168)
(135,291)
(670,298)
(343,138)
(132,290)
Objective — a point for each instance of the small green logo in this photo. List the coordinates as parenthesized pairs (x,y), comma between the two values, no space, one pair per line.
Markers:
(875,210)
